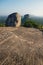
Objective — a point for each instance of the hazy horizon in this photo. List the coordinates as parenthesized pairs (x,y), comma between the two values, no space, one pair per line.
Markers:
(33,7)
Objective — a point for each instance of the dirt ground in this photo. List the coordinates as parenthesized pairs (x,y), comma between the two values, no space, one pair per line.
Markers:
(21,46)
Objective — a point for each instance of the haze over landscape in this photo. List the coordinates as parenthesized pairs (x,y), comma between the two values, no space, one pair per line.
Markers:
(33,7)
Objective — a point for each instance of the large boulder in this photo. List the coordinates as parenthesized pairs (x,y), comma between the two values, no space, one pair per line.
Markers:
(25,18)
(13,19)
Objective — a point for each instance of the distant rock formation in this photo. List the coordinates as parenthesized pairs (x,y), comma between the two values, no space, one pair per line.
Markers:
(13,19)
(25,18)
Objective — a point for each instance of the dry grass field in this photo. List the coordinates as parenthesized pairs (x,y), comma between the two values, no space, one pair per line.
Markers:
(21,46)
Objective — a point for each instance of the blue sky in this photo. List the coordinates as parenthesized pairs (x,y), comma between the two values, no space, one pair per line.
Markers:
(33,7)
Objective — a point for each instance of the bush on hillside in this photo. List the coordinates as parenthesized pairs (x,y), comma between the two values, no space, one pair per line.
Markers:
(30,23)
(2,25)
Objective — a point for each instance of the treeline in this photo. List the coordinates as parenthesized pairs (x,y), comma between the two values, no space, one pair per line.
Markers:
(2,23)
(26,21)
(32,24)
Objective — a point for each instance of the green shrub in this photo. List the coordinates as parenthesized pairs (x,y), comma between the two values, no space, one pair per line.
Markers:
(2,25)
(27,24)
(33,24)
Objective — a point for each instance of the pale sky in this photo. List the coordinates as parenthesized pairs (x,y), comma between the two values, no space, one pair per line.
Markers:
(33,7)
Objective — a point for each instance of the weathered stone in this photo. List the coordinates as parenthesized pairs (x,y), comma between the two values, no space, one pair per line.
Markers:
(25,18)
(22,46)
(13,19)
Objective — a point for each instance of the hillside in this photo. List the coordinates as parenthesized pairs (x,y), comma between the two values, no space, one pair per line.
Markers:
(21,46)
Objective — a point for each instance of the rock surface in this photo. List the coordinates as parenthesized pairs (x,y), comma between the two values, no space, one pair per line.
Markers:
(21,46)
(13,19)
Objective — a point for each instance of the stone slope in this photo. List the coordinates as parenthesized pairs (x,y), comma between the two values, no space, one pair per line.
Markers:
(21,46)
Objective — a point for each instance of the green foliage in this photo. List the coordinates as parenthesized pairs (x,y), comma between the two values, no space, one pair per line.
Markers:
(2,25)
(28,23)
(33,24)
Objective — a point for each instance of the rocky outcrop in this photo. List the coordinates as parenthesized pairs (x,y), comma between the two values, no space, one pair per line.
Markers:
(13,19)
(25,18)
(21,46)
